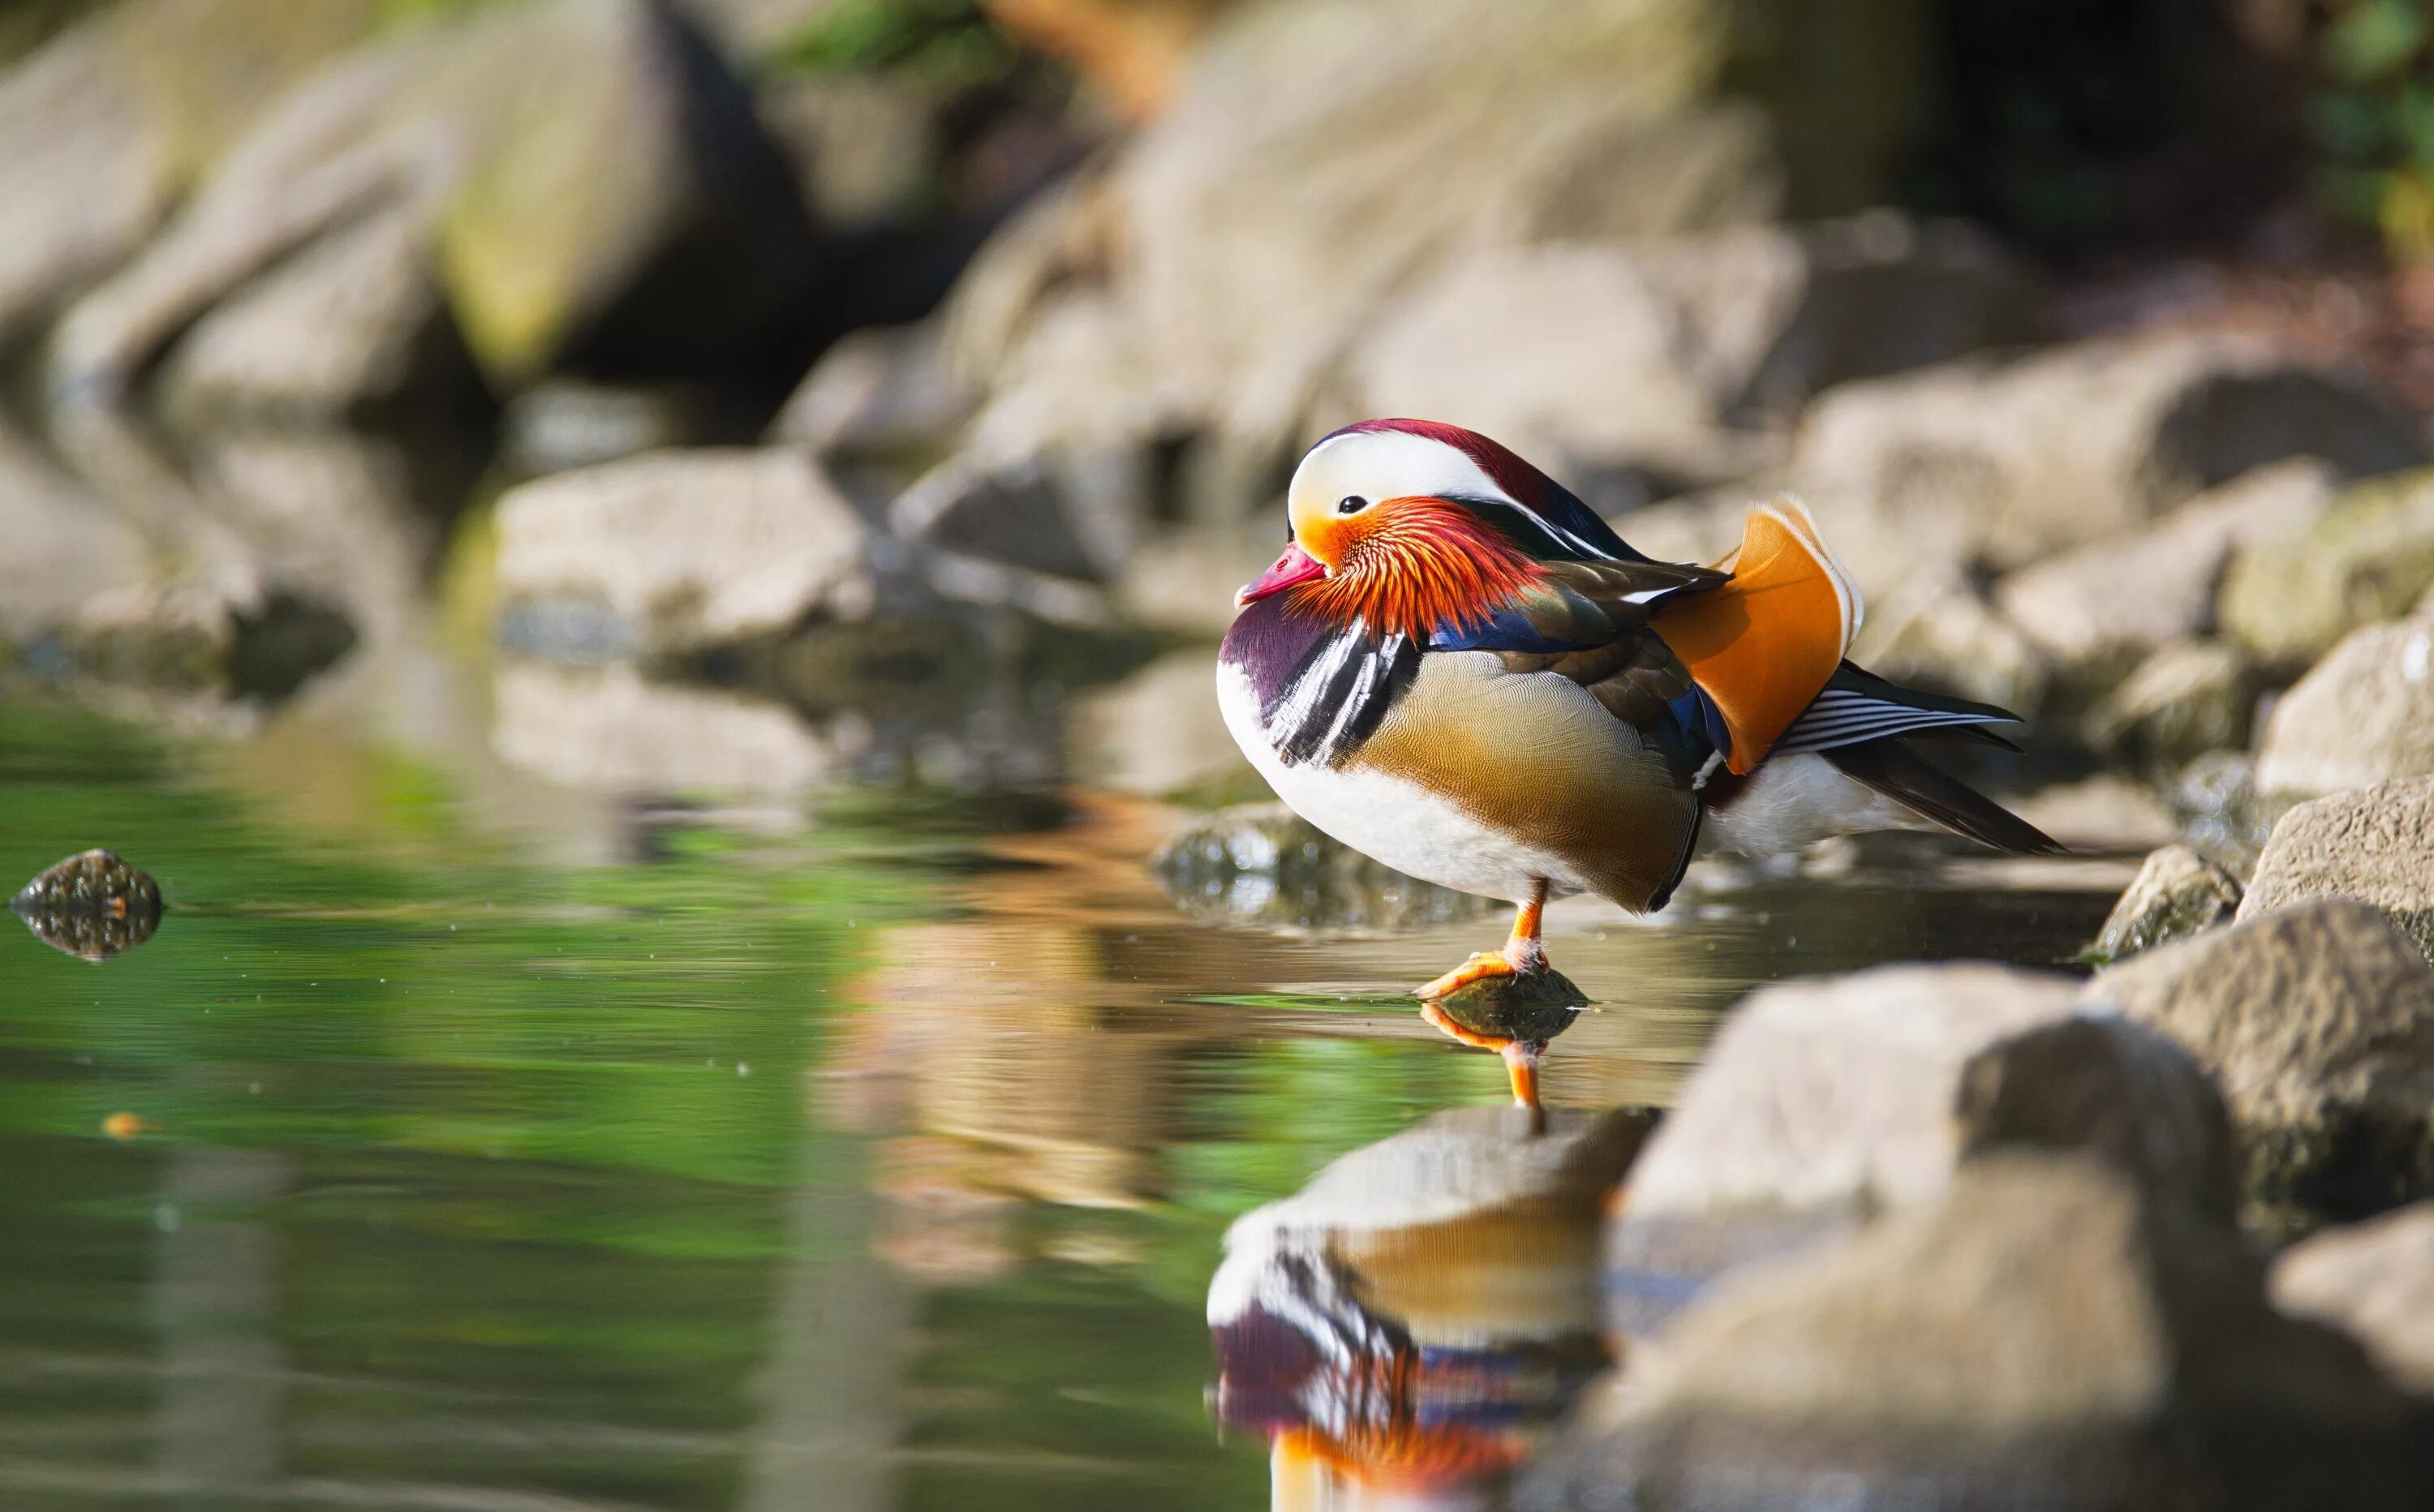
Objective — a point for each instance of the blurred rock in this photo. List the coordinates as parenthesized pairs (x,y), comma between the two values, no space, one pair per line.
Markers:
(2291,597)
(2118,598)
(593,181)
(885,392)
(1133,51)
(1243,268)
(866,146)
(66,546)
(1262,863)
(104,128)
(2376,845)
(2004,462)
(1579,355)
(2049,1336)
(676,552)
(2177,893)
(2187,697)
(2214,799)
(1183,580)
(2101,812)
(1943,635)
(1821,1103)
(92,905)
(2373,1280)
(561,424)
(2317,1020)
(352,322)
(607,729)
(2364,715)
(1155,733)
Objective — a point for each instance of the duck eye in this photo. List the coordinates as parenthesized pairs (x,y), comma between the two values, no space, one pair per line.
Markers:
(1351,504)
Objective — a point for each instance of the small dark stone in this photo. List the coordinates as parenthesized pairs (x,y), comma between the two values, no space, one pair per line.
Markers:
(92,905)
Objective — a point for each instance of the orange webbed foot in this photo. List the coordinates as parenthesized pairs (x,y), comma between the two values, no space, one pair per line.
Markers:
(1484,966)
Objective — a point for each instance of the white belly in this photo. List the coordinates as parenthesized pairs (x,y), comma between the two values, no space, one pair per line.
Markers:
(1389,820)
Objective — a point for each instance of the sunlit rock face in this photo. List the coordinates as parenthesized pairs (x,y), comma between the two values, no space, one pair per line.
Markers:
(91,905)
(1406,1329)
(2052,1333)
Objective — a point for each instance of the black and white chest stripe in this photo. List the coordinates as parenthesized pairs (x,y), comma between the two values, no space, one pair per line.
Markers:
(1322,690)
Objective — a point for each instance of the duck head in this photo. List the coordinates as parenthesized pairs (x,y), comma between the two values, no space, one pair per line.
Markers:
(1407,524)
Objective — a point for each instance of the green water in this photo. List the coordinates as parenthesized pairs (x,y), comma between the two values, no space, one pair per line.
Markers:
(877,1160)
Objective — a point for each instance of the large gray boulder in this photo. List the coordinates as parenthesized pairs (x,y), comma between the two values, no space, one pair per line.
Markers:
(2004,462)
(2291,597)
(677,551)
(2317,1021)
(2113,599)
(2375,844)
(2176,894)
(2374,1281)
(668,231)
(1823,1102)
(2046,1334)
(2364,715)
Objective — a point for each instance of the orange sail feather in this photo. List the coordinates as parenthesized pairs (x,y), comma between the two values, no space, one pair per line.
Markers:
(1763,645)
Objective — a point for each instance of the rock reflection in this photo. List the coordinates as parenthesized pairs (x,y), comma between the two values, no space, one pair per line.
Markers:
(1409,1326)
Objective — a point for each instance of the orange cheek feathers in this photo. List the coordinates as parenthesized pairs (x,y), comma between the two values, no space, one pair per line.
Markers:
(1410,564)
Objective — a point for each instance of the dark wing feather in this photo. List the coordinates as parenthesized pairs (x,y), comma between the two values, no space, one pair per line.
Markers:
(1903,775)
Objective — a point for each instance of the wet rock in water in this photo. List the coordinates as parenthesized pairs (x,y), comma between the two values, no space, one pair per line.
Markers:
(2186,699)
(2003,462)
(1943,635)
(1262,863)
(2177,893)
(2317,1021)
(2373,1280)
(676,552)
(92,905)
(885,392)
(2364,715)
(1534,1006)
(101,131)
(1821,1103)
(2048,1335)
(2111,601)
(2375,845)
(2291,598)
(671,239)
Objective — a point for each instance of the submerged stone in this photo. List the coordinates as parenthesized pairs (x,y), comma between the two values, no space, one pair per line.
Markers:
(92,905)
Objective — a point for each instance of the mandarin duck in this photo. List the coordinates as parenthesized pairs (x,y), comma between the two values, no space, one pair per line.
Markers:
(1459,669)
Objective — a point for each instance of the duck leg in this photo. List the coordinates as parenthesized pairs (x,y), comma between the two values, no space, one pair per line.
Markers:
(1524,952)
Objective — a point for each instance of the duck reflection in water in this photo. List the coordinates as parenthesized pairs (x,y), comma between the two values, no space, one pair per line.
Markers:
(1409,1327)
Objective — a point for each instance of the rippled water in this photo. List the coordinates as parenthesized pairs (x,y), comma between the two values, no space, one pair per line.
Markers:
(421,1161)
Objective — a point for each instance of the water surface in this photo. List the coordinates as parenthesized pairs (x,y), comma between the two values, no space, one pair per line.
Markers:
(877,1159)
